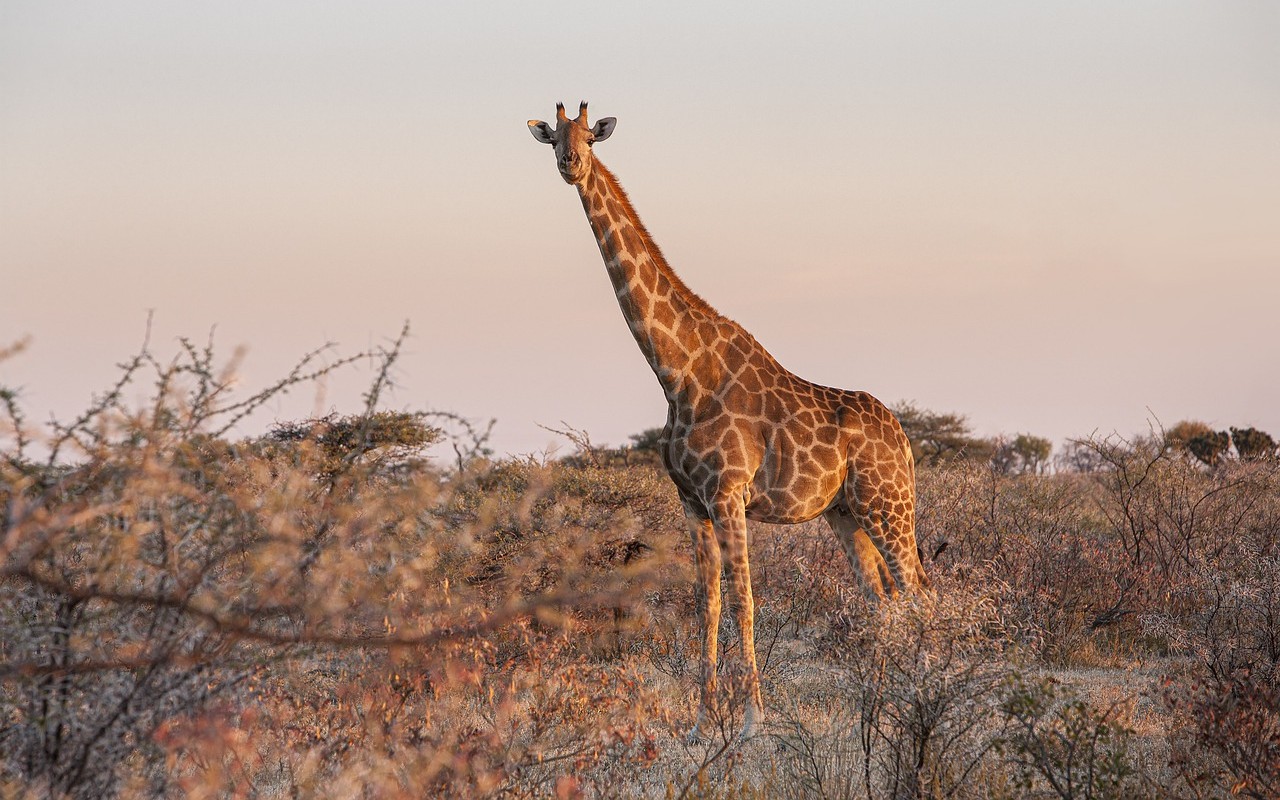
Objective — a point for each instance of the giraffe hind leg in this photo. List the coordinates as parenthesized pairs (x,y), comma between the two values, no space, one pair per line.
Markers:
(885,510)
(868,565)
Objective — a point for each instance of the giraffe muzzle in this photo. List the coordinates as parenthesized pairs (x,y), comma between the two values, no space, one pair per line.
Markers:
(570,169)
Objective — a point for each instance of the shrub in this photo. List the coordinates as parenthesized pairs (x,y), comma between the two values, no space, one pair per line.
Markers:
(1035,541)
(166,595)
(1210,447)
(1235,719)
(917,707)
(1252,444)
(1062,747)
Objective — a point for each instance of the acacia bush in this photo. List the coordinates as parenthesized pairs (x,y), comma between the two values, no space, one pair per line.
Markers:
(167,594)
(913,707)
(1036,541)
(1063,747)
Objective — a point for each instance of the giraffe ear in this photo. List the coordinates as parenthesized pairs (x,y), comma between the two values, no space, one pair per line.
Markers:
(603,129)
(541,131)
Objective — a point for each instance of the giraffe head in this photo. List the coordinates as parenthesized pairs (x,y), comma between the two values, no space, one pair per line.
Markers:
(572,140)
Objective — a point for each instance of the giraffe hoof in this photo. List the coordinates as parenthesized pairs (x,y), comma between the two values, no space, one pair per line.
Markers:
(751,722)
(695,737)
(699,735)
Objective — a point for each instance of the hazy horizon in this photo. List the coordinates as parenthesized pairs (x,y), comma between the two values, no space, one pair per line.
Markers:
(1052,218)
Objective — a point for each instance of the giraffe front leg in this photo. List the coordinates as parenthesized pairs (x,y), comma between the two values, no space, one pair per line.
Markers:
(731,529)
(707,562)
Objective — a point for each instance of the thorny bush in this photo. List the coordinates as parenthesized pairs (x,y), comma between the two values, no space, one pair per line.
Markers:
(185,614)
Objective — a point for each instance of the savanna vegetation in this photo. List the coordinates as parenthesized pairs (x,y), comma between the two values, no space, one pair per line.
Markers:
(370,605)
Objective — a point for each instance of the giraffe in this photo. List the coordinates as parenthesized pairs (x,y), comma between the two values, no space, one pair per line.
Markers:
(745,438)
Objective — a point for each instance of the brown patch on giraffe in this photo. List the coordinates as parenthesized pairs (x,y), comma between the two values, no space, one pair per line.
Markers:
(631,242)
(814,466)
(825,456)
(665,315)
(682,329)
(786,441)
(804,486)
(647,273)
(701,474)
(731,440)
(774,406)
(734,360)
(663,344)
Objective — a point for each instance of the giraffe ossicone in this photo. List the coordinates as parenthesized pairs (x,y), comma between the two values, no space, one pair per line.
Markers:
(745,438)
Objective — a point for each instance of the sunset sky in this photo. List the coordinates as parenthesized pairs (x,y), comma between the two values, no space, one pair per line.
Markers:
(1054,217)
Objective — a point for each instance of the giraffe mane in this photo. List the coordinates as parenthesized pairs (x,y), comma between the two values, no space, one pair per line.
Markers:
(650,246)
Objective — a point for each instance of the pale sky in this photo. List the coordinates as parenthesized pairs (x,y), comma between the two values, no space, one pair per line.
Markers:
(1054,217)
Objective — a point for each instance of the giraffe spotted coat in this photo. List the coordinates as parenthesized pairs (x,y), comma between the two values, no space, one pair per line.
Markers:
(745,438)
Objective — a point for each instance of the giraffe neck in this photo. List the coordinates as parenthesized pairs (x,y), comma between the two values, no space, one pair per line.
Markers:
(664,315)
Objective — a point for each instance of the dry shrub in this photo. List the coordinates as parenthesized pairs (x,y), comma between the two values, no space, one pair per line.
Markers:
(325,612)
(1171,518)
(1034,540)
(1228,729)
(1148,554)
(616,529)
(1231,734)
(1062,747)
(457,723)
(1119,560)
(1228,615)
(319,612)
(912,705)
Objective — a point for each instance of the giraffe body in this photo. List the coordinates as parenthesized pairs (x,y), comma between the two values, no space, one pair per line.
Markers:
(745,438)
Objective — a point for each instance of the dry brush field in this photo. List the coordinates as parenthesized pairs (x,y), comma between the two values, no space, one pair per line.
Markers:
(323,611)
